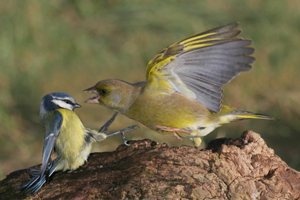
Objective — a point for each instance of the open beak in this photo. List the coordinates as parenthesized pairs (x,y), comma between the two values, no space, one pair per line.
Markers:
(91,90)
(94,99)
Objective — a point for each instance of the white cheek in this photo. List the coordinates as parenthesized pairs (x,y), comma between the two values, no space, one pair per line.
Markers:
(62,104)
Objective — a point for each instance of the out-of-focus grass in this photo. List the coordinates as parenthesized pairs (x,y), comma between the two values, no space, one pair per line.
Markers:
(67,46)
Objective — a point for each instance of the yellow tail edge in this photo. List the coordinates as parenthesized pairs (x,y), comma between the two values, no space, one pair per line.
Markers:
(232,114)
(250,115)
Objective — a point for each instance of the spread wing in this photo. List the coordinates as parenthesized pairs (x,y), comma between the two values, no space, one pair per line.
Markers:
(200,65)
(50,142)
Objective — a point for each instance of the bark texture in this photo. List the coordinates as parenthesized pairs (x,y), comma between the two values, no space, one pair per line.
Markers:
(244,168)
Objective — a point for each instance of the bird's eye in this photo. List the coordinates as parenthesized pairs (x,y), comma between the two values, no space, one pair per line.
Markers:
(68,101)
(103,91)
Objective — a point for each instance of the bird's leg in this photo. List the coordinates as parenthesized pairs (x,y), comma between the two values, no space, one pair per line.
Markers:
(177,136)
(124,139)
(105,127)
(130,128)
(173,130)
(170,129)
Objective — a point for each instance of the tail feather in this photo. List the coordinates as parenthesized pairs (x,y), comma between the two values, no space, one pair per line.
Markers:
(240,115)
(37,179)
(249,115)
(35,182)
(229,114)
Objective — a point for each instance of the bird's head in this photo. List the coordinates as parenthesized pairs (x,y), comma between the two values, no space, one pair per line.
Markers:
(112,93)
(57,100)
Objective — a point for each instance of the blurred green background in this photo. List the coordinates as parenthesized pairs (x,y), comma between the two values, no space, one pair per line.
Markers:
(67,46)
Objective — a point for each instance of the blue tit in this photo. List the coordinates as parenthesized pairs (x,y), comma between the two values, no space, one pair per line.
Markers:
(66,136)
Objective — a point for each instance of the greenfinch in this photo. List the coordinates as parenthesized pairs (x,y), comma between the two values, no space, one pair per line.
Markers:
(183,92)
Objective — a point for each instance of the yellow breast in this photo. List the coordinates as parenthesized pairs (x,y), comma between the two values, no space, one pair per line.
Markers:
(70,142)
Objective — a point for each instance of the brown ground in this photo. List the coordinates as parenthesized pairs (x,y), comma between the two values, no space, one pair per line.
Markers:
(244,168)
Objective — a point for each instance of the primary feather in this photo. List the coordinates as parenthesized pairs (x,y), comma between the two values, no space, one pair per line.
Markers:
(200,65)
(182,94)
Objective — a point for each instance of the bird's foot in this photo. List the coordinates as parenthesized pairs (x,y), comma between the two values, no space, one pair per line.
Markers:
(173,130)
(177,136)
(170,129)
(130,128)
(124,139)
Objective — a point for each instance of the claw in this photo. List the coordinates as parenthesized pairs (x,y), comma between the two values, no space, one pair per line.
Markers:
(105,127)
(130,128)
(124,139)
(134,127)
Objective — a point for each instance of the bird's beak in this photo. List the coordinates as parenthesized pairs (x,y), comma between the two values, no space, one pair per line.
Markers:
(92,99)
(77,105)
(91,90)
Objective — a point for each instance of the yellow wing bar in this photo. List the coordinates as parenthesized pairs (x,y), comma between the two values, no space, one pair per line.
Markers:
(204,39)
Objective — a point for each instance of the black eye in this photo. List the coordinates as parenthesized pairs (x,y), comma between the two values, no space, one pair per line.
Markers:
(68,101)
(103,91)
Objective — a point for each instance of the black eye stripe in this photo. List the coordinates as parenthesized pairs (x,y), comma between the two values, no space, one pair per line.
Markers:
(68,101)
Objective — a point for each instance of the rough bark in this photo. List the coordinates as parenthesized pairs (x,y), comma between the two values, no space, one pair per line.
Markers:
(244,168)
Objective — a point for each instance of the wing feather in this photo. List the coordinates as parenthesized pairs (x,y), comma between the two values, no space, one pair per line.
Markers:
(214,31)
(49,143)
(200,65)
